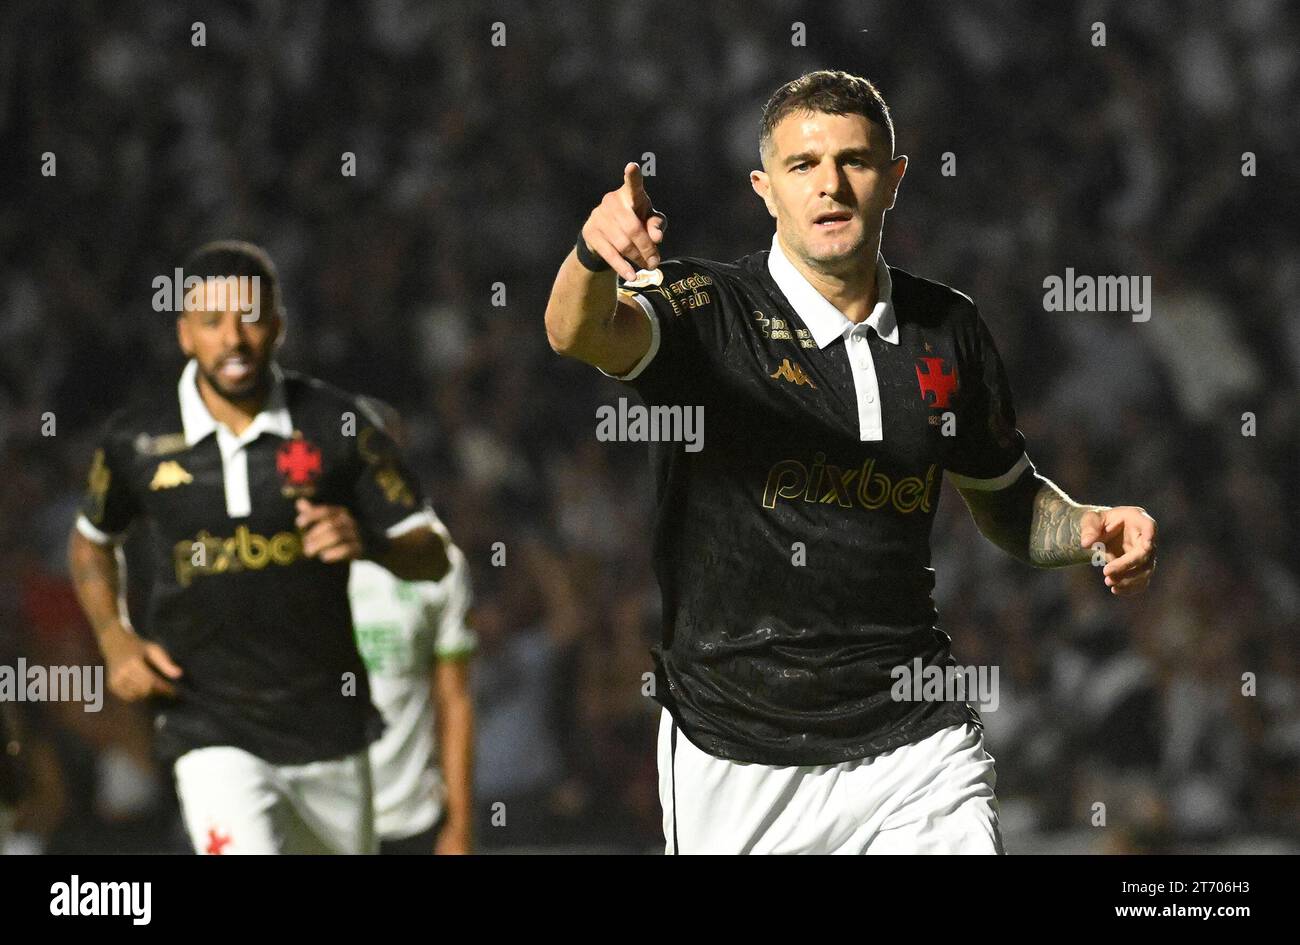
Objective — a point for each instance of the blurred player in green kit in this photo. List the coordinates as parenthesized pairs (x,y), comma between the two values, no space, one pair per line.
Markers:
(416,644)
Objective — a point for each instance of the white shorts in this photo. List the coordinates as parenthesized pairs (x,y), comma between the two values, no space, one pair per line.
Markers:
(933,796)
(234,802)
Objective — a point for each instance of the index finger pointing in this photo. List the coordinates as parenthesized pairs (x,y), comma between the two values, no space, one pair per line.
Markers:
(634,185)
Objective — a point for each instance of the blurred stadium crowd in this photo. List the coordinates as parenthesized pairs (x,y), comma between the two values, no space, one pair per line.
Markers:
(476,165)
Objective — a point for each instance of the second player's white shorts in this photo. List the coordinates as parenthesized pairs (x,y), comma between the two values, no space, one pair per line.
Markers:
(933,796)
(234,802)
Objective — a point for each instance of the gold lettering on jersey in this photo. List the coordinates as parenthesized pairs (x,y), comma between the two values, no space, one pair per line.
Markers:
(779,329)
(363,447)
(169,475)
(827,484)
(660,290)
(253,550)
(792,373)
(97,486)
(284,547)
(685,294)
(692,283)
(696,300)
(244,550)
(387,477)
(394,486)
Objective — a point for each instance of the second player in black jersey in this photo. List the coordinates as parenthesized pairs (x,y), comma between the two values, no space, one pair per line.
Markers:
(261,628)
(257,486)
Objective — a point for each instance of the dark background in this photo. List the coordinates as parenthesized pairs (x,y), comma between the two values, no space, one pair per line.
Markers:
(476,165)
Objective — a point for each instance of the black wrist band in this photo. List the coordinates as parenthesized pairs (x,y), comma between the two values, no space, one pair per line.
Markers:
(589,259)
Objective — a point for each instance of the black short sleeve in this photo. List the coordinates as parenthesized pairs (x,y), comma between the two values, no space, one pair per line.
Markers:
(988,445)
(109,503)
(385,491)
(690,306)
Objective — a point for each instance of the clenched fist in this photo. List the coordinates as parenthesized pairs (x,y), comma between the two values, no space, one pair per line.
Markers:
(136,668)
(329,532)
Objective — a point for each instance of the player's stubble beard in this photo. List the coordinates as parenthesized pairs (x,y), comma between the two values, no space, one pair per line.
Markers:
(838,256)
(252,392)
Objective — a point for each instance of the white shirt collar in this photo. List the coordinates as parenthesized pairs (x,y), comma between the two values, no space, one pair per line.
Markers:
(823,319)
(199,422)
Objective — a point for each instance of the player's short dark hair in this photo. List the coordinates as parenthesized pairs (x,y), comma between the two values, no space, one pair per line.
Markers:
(222,258)
(829,91)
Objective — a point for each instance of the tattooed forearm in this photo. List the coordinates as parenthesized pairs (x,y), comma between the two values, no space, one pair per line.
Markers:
(1032,520)
(95,577)
(1056,533)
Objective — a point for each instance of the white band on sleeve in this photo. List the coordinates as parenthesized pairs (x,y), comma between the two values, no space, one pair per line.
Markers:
(420,519)
(436,523)
(990,485)
(654,342)
(94,534)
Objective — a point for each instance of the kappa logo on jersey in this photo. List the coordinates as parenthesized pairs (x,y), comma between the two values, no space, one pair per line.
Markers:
(792,373)
(169,475)
(935,380)
(299,464)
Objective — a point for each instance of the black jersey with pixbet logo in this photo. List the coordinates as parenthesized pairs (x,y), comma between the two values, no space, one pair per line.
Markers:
(793,555)
(263,634)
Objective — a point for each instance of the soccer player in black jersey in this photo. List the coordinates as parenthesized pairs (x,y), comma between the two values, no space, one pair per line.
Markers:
(259,487)
(793,549)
